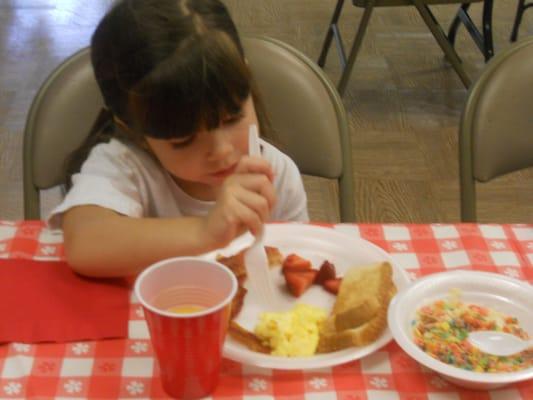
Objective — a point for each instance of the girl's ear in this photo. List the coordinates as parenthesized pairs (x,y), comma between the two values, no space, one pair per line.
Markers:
(139,140)
(120,123)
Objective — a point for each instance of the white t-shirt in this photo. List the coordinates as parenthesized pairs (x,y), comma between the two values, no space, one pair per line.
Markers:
(123,178)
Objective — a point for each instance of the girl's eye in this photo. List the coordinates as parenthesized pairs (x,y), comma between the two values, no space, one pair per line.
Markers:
(232,119)
(182,144)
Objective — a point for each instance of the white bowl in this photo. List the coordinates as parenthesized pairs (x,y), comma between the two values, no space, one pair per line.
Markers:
(498,292)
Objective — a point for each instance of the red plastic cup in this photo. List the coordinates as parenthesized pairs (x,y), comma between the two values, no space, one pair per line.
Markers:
(188,346)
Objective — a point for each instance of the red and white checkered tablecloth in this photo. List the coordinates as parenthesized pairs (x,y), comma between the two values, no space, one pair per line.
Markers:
(126,368)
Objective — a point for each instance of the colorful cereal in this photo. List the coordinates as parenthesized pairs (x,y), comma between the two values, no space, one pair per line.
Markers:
(441,329)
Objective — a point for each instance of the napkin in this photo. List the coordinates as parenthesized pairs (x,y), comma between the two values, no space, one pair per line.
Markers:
(45,301)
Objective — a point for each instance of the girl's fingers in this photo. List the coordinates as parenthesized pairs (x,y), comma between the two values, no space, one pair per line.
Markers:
(257,183)
(247,217)
(242,207)
(255,202)
(248,196)
(255,165)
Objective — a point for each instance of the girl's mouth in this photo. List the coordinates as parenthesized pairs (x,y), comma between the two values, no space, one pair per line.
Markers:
(223,173)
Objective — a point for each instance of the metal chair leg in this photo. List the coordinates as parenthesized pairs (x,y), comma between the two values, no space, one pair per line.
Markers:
(355,47)
(483,41)
(488,48)
(439,35)
(332,30)
(454,26)
(518,19)
(467,193)
(466,175)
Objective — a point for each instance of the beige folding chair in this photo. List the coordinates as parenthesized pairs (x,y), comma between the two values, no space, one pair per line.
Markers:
(429,19)
(304,109)
(59,119)
(496,131)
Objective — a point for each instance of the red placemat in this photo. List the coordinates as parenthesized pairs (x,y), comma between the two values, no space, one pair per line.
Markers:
(45,301)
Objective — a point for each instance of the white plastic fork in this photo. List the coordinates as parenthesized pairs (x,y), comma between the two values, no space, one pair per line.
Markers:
(255,258)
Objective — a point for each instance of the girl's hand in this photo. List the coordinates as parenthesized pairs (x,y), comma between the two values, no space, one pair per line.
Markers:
(244,202)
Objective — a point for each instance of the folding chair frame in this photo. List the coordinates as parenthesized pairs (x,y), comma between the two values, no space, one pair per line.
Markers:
(429,19)
(482,40)
(518,18)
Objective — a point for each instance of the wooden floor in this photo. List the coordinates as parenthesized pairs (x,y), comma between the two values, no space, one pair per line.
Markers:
(404,101)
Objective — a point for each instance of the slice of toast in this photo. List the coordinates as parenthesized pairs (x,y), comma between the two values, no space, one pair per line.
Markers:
(247,338)
(359,315)
(274,256)
(236,262)
(237,302)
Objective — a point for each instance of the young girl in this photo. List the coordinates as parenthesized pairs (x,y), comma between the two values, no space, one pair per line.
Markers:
(165,171)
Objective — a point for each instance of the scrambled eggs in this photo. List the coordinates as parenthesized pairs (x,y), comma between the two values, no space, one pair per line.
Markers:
(291,333)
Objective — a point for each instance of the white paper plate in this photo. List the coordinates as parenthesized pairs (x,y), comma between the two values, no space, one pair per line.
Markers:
(496,291)
(316,244)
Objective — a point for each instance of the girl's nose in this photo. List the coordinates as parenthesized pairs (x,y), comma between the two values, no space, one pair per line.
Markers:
(222,145)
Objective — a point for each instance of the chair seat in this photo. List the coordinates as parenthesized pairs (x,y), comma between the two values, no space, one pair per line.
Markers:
(393,3)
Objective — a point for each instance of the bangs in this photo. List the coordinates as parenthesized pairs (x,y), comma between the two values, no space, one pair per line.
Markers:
(204,81)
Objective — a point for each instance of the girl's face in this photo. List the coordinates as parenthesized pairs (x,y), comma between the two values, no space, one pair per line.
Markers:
(201,163)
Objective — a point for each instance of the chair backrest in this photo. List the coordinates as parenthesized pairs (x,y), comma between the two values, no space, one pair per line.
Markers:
(59,119)
(303,106)
(496,131)
(306,112)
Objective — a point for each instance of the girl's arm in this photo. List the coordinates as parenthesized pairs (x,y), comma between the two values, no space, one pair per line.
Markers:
(101,243)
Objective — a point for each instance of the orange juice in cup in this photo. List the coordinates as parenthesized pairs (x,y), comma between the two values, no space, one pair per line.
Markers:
(185,309)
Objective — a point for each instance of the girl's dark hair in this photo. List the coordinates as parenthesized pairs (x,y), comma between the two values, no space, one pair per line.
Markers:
(166,68)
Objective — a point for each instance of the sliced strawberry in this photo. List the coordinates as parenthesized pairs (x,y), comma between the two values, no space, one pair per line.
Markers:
(332,285)
(295,262)
(299,281)
(326,272)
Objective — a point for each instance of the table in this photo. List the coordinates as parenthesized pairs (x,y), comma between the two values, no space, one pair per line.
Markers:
(126,368)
